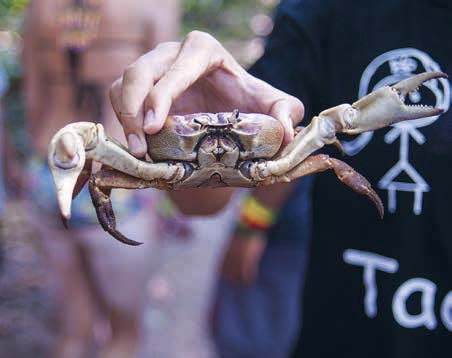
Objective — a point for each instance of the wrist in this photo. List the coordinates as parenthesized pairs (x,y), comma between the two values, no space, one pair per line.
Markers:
(255,218)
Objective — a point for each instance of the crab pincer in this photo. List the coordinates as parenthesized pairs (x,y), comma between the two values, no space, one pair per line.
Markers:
(67,161)
(386,105)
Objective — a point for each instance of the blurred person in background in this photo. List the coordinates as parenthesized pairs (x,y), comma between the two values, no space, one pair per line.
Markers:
(73,49)
(374,288)
(3,88)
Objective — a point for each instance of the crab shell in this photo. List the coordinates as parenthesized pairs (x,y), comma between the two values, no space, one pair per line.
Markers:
(216,145)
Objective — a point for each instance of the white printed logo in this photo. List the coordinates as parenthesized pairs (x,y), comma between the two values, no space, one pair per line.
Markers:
(402,63)
(372,264)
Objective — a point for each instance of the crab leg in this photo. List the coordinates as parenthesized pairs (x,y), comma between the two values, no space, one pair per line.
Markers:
(378,109)
(345,173)
(100,186)
(79,142)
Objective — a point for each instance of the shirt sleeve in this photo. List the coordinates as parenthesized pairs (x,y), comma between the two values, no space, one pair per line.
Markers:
(293,58)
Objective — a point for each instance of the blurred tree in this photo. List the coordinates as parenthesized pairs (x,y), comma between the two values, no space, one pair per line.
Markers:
(10,10)
(11,15)
(239,25)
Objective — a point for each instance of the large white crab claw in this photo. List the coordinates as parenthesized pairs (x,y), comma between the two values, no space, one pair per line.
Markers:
(66,158)
(386,106)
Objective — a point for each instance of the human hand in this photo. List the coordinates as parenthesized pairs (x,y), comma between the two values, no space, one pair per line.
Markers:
(196,75)
(242,258)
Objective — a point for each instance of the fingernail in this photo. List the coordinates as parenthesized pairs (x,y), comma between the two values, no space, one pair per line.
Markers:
(136,146)
(149,120)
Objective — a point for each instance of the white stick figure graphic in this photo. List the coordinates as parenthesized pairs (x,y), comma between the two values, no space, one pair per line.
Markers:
(402,64)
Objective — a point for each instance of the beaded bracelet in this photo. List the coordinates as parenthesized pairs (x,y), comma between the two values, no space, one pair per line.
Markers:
(254,217)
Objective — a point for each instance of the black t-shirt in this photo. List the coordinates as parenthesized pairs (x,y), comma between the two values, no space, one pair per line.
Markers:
(374,288)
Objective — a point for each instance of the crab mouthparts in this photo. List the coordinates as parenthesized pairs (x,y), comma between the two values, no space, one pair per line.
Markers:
(219,129)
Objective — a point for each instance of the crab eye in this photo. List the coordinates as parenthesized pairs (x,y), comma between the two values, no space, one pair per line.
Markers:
(200,119)
(235,117)
(245,169)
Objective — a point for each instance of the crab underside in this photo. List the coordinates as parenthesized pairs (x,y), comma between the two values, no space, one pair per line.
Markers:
(223,149)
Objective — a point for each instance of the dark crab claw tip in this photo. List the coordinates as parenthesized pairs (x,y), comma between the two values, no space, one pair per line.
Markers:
(373,196)
(120,237)
(365,188)
(411,84)
(65,222)
(347,175)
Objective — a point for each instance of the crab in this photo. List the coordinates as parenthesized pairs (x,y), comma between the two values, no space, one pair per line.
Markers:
(224,149)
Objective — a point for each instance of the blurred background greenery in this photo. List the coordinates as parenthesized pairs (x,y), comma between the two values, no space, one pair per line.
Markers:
(239,25)
(9,10)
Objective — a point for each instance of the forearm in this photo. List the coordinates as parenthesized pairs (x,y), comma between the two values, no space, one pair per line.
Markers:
(210,201)
(273,196)
(201,201)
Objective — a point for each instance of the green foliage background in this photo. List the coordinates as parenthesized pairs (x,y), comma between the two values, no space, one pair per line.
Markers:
(227,19)
(10,10)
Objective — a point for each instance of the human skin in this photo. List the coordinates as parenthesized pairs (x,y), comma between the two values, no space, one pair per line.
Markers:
(123,35)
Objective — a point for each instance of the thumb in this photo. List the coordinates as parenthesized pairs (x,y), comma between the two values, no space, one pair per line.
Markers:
(289,111)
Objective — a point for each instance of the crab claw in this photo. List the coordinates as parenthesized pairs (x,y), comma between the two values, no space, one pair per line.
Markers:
(386,106)
(66,163)
(66,159)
